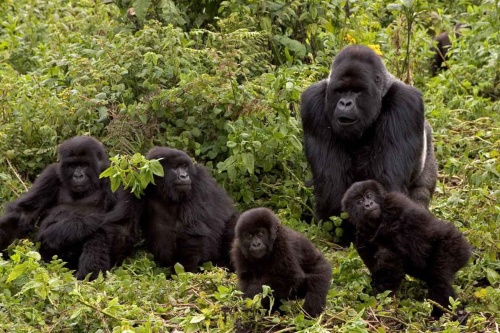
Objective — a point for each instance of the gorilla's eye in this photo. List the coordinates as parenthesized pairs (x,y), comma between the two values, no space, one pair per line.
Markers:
(360,201)
(260,233)
(369,195)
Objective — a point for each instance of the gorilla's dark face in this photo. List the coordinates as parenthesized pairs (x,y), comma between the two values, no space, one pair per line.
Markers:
(363,202)
(354,92)
(176,184)
(82,159)
(256,232)
(256,243)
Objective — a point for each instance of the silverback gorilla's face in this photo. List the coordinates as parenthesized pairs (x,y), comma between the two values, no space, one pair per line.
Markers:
(354,91)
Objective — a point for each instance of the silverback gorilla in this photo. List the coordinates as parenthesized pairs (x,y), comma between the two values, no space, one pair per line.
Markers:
(362,123)
(395,236)
(265,252)
(185,216)
(70,201)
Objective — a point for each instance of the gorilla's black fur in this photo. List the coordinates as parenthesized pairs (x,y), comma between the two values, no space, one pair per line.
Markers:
(70,201)
(186,216)
(395,236)
(361,123)
(265,252)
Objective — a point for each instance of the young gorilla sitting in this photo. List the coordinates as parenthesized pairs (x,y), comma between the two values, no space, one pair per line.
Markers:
(265,252)
(395,236)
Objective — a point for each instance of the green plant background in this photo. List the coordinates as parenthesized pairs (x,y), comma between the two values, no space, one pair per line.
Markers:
(222,81)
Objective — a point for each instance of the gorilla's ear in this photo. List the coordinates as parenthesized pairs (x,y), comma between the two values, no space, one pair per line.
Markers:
(274,231)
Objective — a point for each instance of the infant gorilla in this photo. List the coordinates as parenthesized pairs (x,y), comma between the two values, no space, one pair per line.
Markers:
(265,252)
(396,236)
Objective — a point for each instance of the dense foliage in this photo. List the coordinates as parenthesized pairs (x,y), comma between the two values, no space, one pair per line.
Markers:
(222,81)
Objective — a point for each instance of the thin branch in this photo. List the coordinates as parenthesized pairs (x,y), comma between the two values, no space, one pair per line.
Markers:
(17,174)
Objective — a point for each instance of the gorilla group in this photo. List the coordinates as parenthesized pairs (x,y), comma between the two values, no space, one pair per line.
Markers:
(362,123)
(70,203)
(396,236)
(265,252)
(185,215)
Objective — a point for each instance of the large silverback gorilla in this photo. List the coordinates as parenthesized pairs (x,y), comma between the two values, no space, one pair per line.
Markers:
(362,123)
(70,203)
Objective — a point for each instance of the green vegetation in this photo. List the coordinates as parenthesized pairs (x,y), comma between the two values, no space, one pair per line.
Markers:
(222,81)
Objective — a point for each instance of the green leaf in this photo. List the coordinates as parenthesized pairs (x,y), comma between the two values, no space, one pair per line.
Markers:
(249,162)
(265,23)
(197,319)
(156,168)
(17,271)
(178,268)
(141,8)
(107,173)
(100,96)
(115,183)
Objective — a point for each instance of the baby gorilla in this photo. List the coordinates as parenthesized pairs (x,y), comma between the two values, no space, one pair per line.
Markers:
(395,236)
(267,253)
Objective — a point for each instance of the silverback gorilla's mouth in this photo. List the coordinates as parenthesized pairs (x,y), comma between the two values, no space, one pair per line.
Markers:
(345,121)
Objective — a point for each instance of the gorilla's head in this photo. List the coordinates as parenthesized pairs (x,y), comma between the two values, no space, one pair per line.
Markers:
(81,160)
(177,182)
(256,232)
(363,202)
(357,82)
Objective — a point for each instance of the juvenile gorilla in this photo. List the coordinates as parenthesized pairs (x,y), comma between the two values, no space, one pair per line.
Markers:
(70,201)
(362,123)
(395,236)
(265,252)
(186,217)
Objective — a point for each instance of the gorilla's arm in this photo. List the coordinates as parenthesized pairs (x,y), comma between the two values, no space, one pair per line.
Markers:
(321,149)
(22,214)
(95,257)
(42,194)
(403,217)
(126,209)
(401,134)
(388,271)
(317,283)
(424,184)
(56,235)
